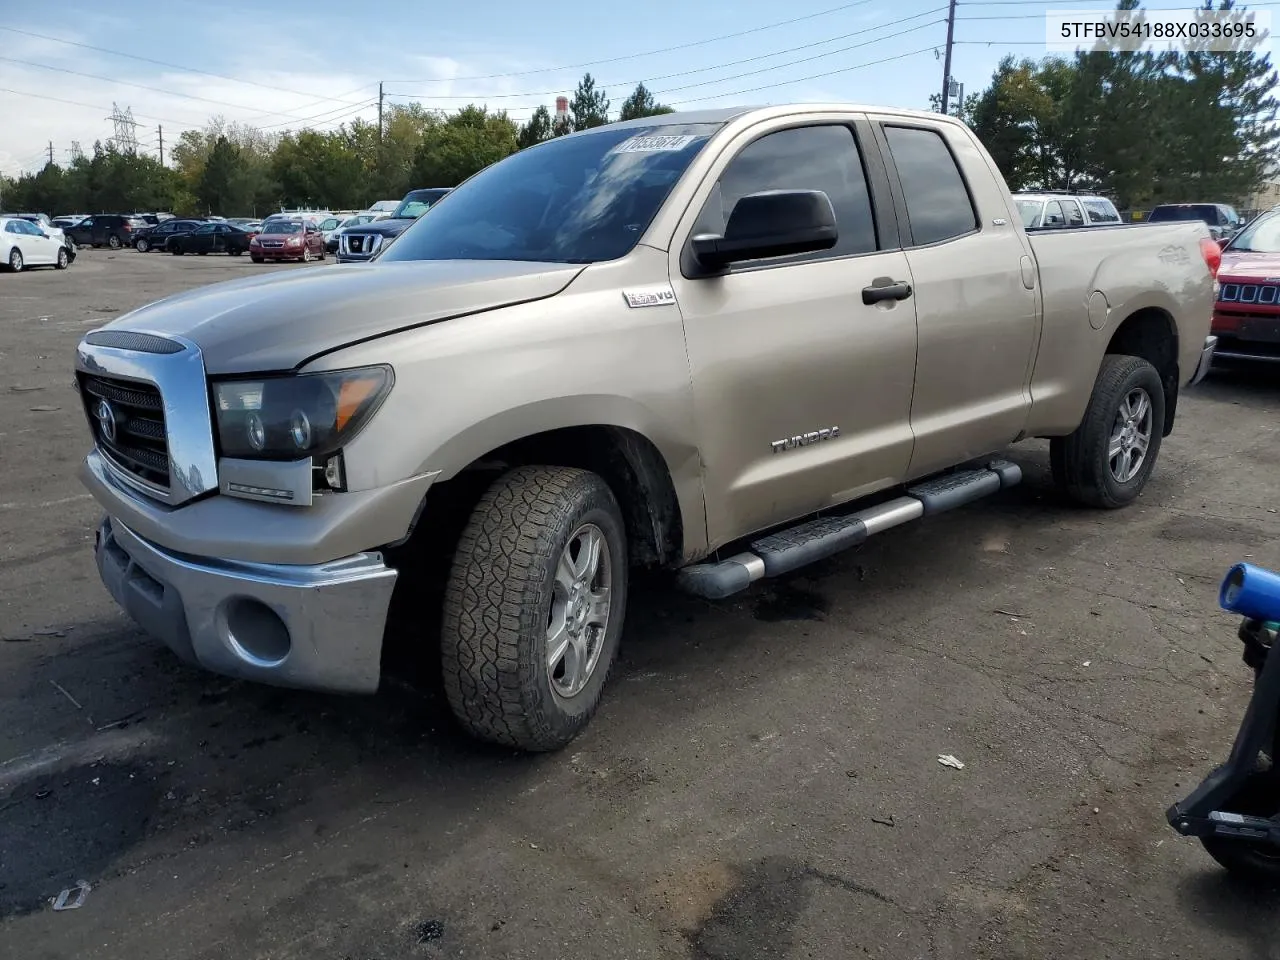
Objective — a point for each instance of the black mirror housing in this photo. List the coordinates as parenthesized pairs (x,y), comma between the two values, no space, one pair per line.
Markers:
(774,223)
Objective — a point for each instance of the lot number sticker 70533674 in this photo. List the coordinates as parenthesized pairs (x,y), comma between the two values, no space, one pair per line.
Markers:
(653,144)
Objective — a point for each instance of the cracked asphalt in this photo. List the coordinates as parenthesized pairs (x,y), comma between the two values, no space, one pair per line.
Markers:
(762,779)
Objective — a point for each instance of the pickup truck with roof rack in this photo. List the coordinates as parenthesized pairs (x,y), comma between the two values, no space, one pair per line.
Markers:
(724,343)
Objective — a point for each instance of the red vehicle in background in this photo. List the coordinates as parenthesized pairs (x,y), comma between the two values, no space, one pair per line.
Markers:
(1246,309)
(287,240)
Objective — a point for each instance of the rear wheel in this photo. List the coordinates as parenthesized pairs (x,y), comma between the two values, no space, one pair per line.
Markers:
(1107,461)
(534,607)
(142,246)
(63,259)
(113,242)
(255,259)
(306,255)
(16,262)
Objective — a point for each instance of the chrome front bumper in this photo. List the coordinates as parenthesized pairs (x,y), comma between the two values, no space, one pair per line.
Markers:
(317,627)
(1206,360)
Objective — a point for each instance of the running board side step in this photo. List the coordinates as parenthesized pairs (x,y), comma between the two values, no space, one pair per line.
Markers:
(801,545)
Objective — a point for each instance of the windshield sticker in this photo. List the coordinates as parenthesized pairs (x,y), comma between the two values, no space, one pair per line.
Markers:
(653,144)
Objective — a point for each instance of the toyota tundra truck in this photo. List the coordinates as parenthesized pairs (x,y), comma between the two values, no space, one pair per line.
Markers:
(727,343)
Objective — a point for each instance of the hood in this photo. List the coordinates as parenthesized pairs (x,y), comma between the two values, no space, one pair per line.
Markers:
(277,321)
(385,228)
(1249,266)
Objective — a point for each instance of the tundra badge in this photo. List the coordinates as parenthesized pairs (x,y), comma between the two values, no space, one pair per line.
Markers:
(814,436)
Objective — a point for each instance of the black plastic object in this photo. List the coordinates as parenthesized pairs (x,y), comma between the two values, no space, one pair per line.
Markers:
(774,223)
(714,581)
(885,289)
(799,546)
(1212,809)
(955,489)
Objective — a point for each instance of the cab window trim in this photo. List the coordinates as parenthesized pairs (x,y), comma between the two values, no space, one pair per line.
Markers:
(884,221)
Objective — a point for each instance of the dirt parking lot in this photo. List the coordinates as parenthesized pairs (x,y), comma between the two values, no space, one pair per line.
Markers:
(762,780)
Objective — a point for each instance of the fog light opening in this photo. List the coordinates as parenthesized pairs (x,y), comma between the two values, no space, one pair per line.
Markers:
(256,632)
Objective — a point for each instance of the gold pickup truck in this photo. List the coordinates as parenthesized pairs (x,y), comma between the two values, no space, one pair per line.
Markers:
(727,343)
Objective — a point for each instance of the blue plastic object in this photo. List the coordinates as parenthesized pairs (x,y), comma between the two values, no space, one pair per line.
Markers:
(1252,592)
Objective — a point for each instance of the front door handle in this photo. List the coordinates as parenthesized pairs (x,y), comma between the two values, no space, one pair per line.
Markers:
(882,288)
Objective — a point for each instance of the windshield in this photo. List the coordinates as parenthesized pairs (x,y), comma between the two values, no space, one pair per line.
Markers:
(1198,212)
(329,224)
(1261,236)
(282,226)
(1029,210)
(579,199)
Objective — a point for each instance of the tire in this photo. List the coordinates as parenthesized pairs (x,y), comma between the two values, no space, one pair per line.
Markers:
(255,259)
(506,593)
(203,253)
(1080,461)
(1258,862)
(176,250)
(306,255)
(15,261)
(113,242)
(63,260)
(142,246)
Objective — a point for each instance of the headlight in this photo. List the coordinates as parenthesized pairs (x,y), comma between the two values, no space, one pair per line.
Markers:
(292,417)
(1217,288)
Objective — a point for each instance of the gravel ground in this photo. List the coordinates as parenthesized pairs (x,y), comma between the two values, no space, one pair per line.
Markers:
(762,780)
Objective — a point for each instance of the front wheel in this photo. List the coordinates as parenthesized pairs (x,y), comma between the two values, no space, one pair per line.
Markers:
(534,606)
(113,242)
(15,260)
(1107,461)
(63,259)
(255,259)
(142,246)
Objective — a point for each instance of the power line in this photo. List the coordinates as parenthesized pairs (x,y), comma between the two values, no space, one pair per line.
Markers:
(178,66)
(689,86)
(718,66)
(647,53)
(816,76)
(93,106)
(341,111)
(143,86)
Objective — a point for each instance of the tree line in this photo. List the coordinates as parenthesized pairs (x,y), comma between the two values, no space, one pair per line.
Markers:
(233,169)
(1142,128)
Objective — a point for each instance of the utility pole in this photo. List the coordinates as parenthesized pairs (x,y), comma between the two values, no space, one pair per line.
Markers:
(380,113)
(50,151)
(946,60)
(160,134)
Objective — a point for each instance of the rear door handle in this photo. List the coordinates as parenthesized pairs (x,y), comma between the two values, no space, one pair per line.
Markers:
(882,288)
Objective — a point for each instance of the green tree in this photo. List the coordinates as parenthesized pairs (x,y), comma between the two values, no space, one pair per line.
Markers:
(589,106)
(537,129)
(216,190)
(465,143)
(641,103)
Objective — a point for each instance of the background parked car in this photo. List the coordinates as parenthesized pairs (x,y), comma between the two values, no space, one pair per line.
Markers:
(51,228)
(157,237)
(1048,211)
(210,238)
(68,220)
(112,230)
(1222,219)
(1246,309)
(360,244)
(287,240)
(23,244)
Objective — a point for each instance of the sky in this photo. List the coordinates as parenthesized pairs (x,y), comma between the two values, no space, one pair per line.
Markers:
(287,64)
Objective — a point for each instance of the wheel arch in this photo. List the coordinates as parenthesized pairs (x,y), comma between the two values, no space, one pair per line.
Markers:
(1151,333)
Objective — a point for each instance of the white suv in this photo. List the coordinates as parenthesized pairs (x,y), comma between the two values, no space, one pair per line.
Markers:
(1048,211)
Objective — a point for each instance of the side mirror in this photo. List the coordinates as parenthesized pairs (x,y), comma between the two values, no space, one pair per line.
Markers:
(775,223)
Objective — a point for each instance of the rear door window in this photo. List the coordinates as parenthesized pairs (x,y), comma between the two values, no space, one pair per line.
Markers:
(1075,217)
(938,203)
(1101,211)
(1053,215)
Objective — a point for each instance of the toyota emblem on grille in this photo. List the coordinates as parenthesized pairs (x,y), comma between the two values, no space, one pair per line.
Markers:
(106,420)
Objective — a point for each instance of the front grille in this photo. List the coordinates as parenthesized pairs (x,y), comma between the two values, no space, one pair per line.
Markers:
(361,244)
(1263,293)
(138,444)
(273,243)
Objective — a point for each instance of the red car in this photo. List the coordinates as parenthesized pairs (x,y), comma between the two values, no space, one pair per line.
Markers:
(1246,309)
(287,240)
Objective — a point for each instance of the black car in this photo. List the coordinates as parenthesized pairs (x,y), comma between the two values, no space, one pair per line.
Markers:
(210,238)
(112,230)
(362,243)
(1222,219)
(155,238)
